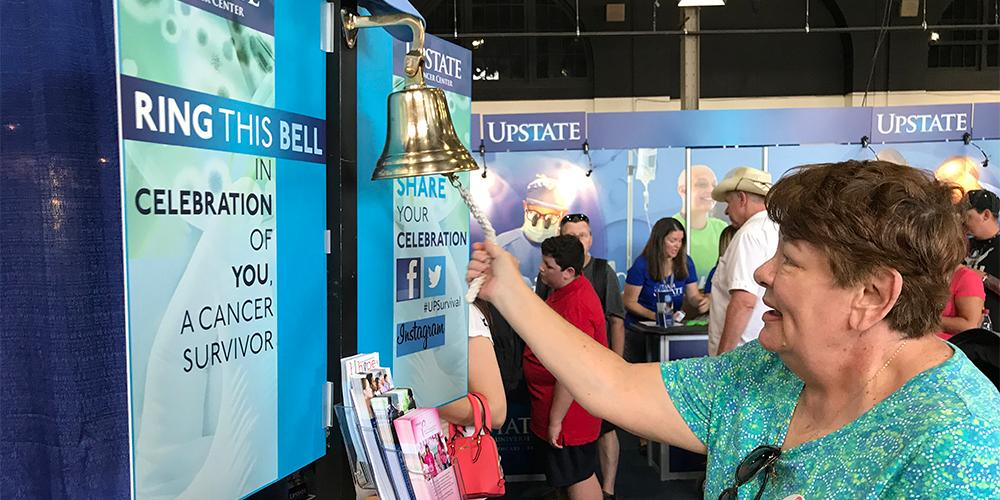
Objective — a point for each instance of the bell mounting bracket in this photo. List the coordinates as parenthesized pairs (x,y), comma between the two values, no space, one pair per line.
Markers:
(351,23)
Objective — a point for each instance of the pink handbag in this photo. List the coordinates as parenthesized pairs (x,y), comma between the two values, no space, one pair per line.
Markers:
(477,456)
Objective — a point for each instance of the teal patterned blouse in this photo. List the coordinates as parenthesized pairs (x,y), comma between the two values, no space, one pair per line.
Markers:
(938,436)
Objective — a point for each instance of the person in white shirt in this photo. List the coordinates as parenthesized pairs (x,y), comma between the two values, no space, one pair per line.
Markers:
(735,316)
(484,374)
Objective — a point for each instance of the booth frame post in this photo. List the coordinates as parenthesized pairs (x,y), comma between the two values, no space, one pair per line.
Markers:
(333,479)
(633,155)
(687,200)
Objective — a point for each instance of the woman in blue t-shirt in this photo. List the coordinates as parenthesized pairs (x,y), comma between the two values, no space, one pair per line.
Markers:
(663,265)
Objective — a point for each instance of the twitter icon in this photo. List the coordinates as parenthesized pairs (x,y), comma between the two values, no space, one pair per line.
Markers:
(434,276)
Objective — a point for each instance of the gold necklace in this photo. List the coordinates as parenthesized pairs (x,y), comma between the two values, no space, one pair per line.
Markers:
(864,389)
(886,365)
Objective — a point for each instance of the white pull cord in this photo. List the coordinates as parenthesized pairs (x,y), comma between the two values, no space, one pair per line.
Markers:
(488,231)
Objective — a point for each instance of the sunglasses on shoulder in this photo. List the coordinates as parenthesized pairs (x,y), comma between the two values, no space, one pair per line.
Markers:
(762,458)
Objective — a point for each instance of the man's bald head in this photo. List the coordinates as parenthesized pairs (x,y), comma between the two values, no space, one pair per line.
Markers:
(703,171)
(703,181)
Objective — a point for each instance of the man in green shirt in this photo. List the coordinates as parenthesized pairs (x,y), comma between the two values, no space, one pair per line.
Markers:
(703,237)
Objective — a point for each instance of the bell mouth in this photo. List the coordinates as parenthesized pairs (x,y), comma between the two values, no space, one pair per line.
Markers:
(444,162)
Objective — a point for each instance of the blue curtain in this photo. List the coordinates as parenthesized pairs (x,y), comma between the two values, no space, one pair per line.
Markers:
(64,415)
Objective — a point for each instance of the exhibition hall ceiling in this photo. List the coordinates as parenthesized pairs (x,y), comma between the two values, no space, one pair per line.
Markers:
(750,48)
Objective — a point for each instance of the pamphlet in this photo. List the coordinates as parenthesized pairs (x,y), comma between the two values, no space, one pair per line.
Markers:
(353,365)
(359,363)
(364,387)
(425,453)
(387,408)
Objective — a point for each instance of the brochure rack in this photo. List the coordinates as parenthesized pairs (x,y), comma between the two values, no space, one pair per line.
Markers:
(363,465)
(360,463)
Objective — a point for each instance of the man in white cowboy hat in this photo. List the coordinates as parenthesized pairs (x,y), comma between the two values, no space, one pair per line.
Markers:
(735,314)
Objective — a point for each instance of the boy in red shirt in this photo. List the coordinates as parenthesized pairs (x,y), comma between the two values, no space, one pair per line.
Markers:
(568,433)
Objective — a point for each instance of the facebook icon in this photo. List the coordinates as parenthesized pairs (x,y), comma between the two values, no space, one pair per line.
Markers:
(407,279)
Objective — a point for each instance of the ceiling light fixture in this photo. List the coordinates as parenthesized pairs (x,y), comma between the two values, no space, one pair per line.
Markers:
(701,3)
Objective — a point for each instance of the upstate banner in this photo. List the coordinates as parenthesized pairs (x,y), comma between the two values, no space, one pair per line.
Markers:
(222,112)
(431,250)
(638,168)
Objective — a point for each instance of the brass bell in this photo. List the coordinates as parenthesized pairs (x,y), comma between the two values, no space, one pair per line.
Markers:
(421,138)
